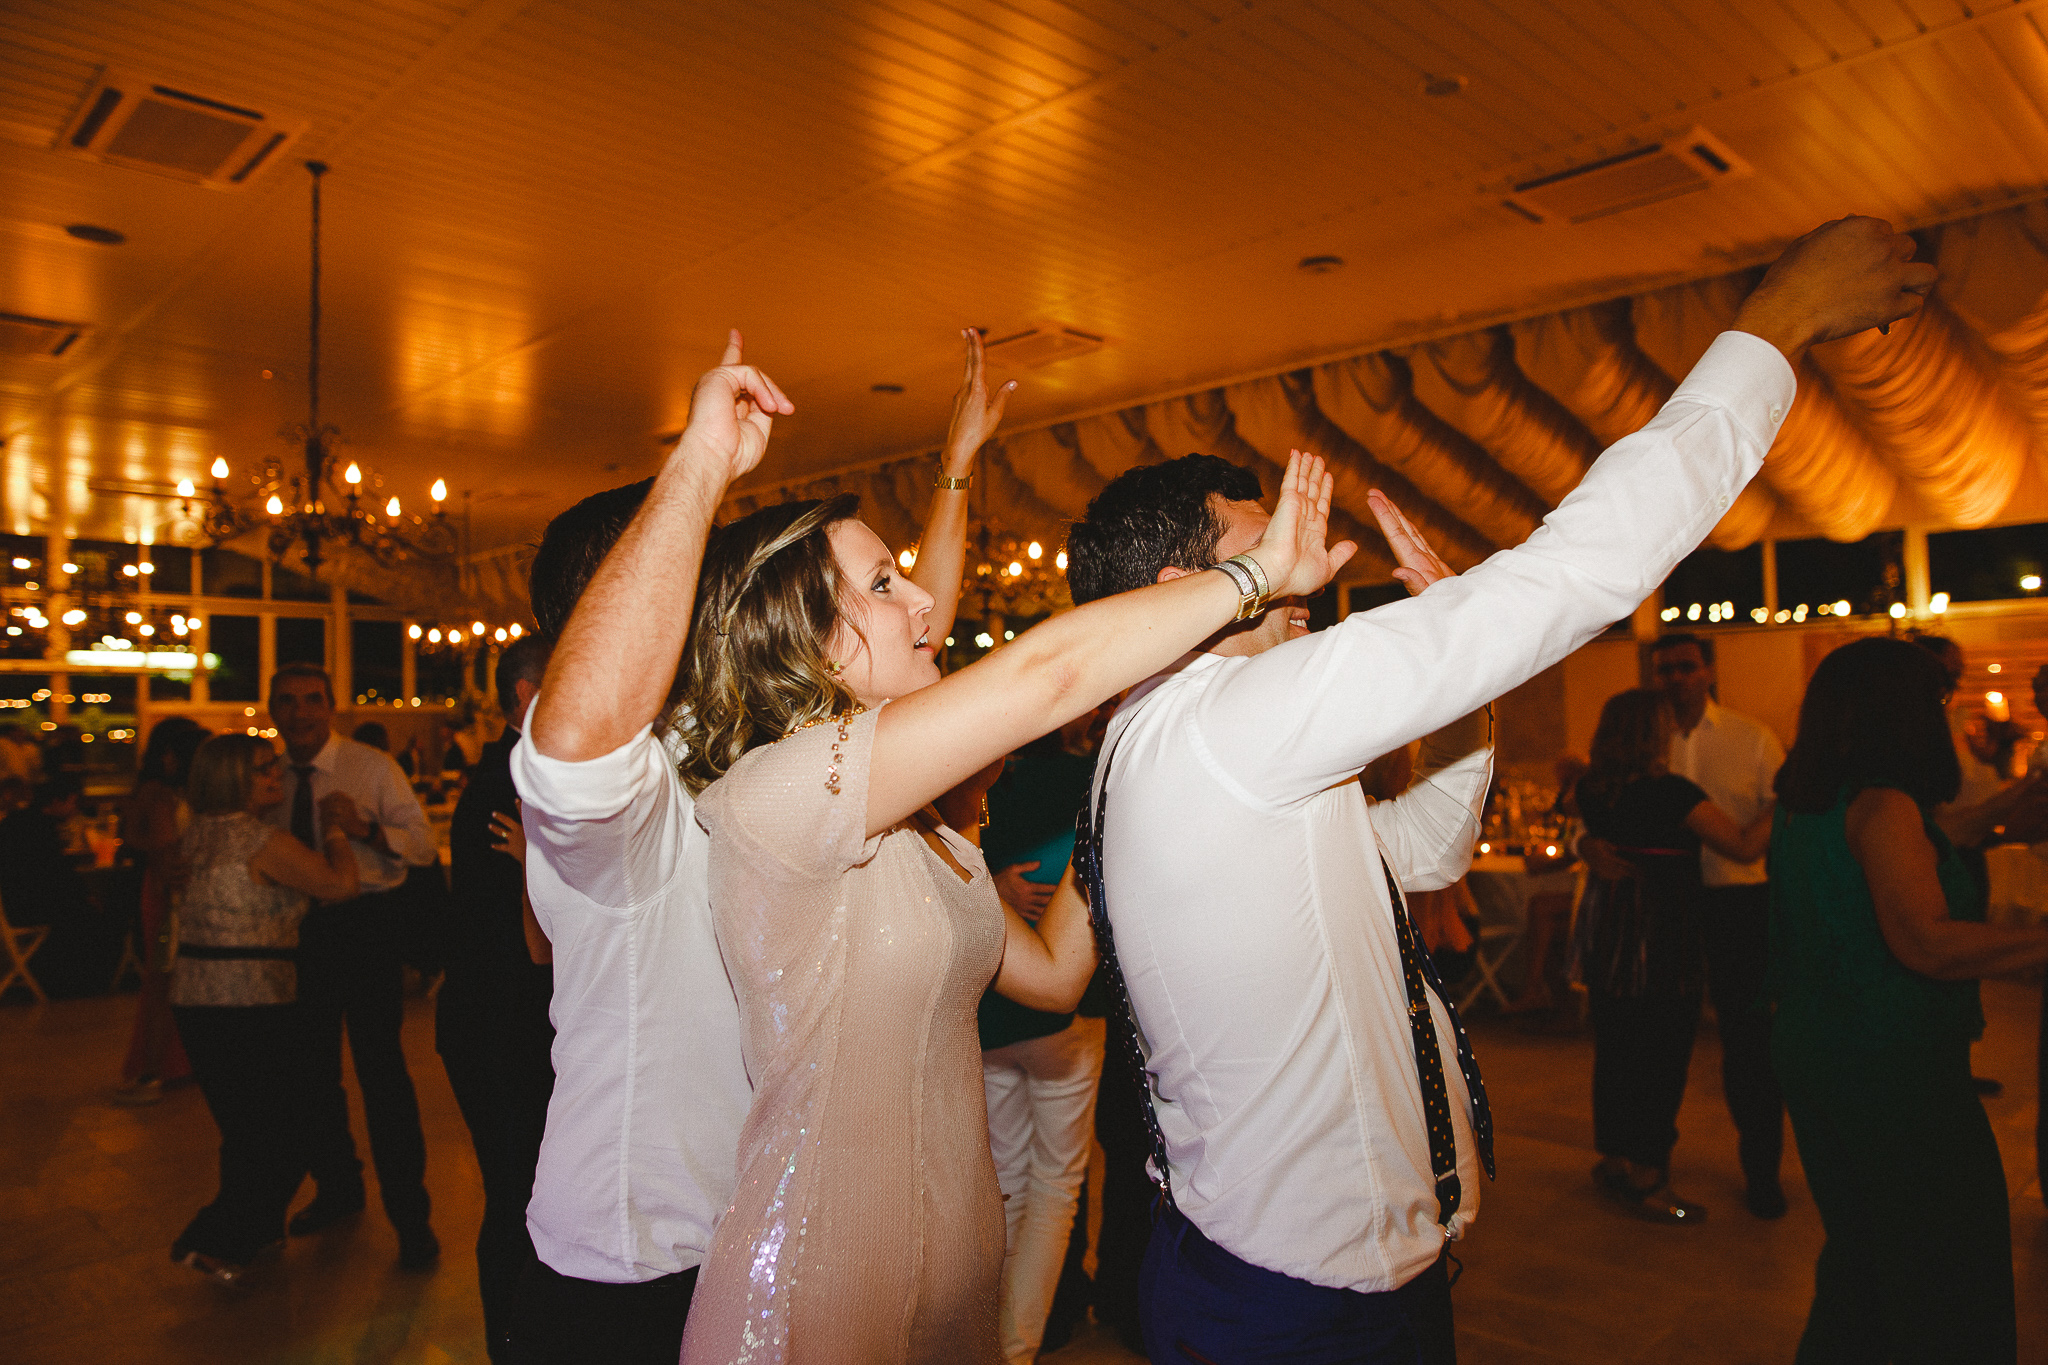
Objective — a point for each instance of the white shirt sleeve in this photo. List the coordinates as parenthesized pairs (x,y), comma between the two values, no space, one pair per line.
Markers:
(1427,832)
(611,826)
(1296,719)
(398,810)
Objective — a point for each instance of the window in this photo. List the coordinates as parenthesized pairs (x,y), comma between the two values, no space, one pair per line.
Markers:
(376,658)
(223,573)
(1866,574)
(1988,564)
(301,640)
(1711,578)
(235,644)
(289,585)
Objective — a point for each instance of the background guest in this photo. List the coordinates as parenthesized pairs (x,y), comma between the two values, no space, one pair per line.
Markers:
(491,1021)
(350,967)
(1639,952)
(1734,760)
(156,819)
(1875,950)
(232,990)
(41,884)
(1039,1070)
(374,734)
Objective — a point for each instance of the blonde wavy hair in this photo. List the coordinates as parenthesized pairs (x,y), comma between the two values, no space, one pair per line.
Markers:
(755,665)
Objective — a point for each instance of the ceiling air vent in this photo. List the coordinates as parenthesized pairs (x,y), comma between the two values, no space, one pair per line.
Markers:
(1645,175)
(1044,344)
(131,121)
(37,338)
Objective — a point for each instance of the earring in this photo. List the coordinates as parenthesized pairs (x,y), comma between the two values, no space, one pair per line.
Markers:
(833,666)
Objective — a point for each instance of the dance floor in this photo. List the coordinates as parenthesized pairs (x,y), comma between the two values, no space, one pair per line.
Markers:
(92,1194)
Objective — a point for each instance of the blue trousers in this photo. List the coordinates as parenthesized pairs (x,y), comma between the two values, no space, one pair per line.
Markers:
(1204,1306)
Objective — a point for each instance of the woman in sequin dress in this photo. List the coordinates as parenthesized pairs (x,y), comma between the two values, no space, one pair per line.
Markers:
(860,932)
(233,986)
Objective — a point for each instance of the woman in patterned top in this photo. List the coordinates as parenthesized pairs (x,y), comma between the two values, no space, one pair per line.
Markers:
(233,987)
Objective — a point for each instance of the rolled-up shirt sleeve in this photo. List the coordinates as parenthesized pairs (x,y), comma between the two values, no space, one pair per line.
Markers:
(1298,718)
(604,824)
(1428,831)
(406,831)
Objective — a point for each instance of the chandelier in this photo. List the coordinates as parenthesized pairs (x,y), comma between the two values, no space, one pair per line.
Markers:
(311,502)
(1010,576)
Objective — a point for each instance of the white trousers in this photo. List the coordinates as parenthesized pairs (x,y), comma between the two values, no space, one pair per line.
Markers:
(1041,1121)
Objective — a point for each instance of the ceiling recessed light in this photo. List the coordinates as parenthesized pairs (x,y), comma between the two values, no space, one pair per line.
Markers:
(1320,265)
(1440,86)
(885,388)
(88,232)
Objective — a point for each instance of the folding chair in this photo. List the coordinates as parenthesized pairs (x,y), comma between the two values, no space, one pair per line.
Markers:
(21,945)
(1501,924)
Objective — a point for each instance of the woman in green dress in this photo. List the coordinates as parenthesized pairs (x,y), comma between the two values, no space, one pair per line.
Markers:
(1875,962)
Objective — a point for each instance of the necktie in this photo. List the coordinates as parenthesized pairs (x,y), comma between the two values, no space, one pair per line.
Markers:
(302,805)
(1419,973)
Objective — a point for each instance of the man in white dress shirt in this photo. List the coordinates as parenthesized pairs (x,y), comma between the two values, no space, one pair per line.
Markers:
(1734,760)
(351,968)
(1319,1144)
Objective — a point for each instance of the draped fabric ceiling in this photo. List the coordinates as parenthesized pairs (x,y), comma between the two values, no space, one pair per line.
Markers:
(1944,422)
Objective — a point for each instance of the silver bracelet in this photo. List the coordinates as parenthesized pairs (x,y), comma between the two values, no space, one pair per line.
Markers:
(1257,571)
(1249,597)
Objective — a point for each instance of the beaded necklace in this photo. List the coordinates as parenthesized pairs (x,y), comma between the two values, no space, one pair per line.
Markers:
(843,719)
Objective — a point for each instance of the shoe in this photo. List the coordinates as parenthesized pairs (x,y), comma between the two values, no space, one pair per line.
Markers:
(135,1094)
(1987,1087)
(1653,1204)
(323,1213)
(1765,1198)
(224,1273)
(418,1248)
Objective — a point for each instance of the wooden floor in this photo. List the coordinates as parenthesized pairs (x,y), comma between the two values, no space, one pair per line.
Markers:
(92,1194)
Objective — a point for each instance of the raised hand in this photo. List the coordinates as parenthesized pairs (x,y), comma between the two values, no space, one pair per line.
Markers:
(976,412)
(1416,564)
(1841,278)
(731,411)
(1292,551)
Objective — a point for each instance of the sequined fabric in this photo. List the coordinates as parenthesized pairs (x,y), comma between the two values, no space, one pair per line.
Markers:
(224,906)
(867,1225)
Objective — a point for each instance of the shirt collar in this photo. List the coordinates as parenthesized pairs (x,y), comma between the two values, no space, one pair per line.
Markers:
(324,760)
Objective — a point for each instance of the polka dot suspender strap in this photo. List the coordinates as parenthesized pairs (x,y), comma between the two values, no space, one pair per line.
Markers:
(1088,869)
(1419,973)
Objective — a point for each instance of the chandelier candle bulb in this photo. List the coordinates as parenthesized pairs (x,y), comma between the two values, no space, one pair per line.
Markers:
(1938,603)
(220,468)
(517,630)
(391,509)
(476,627)
(439,492)
(1996,708)
(907,558)
(353,474)
(275,506)
(1035,550)
(185,488)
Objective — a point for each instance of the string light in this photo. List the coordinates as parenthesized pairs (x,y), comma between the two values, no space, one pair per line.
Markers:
(1898,611)
(1842,607)
(413,630)
(516,629)
(1938,603)
(907,558)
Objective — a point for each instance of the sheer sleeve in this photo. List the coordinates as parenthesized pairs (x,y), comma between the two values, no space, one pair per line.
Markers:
(798,809)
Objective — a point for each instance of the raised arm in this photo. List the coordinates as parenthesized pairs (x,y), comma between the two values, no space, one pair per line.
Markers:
(1046,965)
(617,657)
(942,550)
(1382,678)
(932,740)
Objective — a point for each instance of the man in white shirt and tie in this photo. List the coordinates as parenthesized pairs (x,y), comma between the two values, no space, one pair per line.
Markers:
(351,968)
(1734,759)
(1320,1144)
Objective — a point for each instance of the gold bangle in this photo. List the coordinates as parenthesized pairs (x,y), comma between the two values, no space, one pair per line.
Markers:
(951,484)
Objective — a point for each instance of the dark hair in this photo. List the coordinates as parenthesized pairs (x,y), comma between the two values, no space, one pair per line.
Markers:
(1704,644)
(1632,741)
(572,547)
(755,664)
(1150,518)
(303,669)
(524,660)
(374,734)
(1943,650)
(168,755)
(1872,714)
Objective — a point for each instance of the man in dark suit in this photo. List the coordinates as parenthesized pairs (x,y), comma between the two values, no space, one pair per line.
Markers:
(492,1027)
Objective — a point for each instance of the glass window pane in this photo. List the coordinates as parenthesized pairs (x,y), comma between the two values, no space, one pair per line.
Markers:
(173,569)
(1989,564)
(1865,574)
(374,649)
(301,640)
(290,585)
(1709,576)
(223,573)
(235,644)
